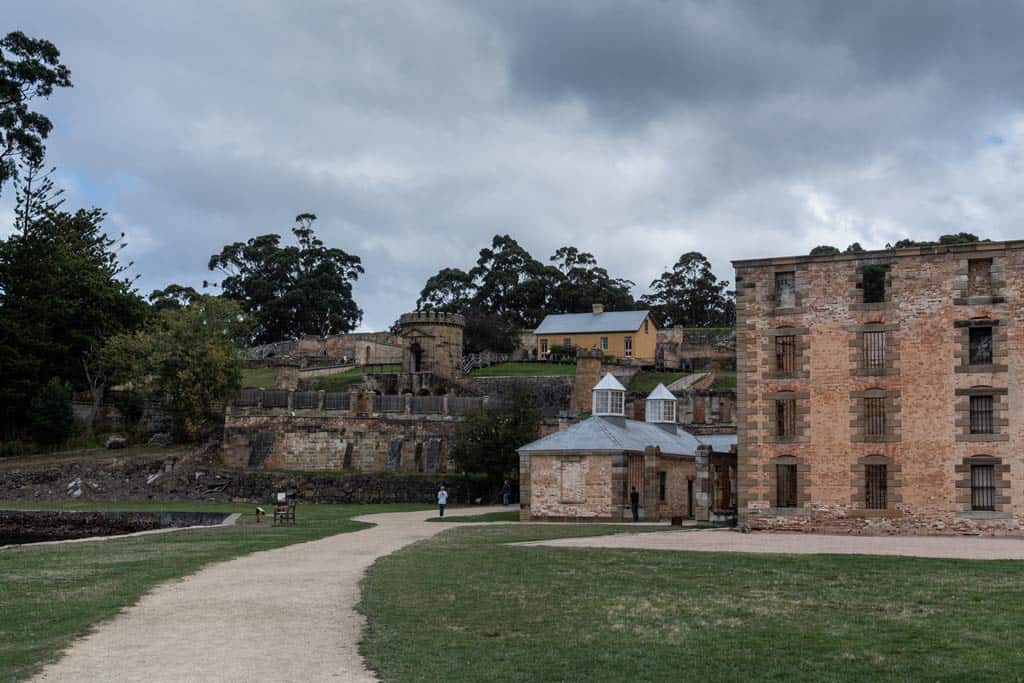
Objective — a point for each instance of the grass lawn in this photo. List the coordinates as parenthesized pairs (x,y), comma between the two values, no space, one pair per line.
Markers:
(644,381)
(525,370)
(50,595)
(261,378)
(462,606)
(510,516)
(342,380)
(725,379)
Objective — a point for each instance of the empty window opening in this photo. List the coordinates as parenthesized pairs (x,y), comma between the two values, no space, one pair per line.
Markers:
(874,284)
(979,277)
(875,487)
(785,417)
(785,486)
(982,421)
(785,354)
(874,350)
(983,487)
(874,416)
(981,345)
(785,289)
(662,485)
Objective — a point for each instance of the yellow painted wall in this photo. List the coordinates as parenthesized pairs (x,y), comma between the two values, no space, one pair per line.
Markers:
(645,341)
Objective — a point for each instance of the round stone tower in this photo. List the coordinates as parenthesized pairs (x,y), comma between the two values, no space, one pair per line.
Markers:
(433,343)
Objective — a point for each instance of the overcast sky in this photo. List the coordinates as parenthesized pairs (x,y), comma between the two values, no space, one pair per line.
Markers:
(634,130)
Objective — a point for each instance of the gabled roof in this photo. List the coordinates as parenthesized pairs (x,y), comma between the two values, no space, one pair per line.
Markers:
(609,382)
(660,393)
(605,434)
(585,323)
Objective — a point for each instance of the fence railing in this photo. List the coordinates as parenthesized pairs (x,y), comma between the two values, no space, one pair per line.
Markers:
(482,360)
(282,399)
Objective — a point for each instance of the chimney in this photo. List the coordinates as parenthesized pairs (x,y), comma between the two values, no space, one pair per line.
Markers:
(598,309)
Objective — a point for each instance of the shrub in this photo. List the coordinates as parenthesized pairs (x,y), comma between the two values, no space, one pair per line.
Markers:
(51,417)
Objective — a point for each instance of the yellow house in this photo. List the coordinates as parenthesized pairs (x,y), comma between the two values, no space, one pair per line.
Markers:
(620,334)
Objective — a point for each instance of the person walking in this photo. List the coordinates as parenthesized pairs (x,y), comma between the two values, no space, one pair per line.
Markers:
(442,499)
(634,503)
(506,491)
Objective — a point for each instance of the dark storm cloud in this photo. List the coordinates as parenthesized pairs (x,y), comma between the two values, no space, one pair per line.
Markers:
(635,130)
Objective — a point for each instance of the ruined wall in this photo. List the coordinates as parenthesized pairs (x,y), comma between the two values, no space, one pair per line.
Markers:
(551,395)
(376,443)
(695,350)
(560,487)
(365,348)
(924,382)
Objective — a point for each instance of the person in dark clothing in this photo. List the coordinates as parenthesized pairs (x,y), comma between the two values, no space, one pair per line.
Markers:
(634,503)
(506,491)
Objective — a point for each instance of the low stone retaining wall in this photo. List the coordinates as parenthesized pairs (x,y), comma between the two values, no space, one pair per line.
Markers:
(31,526)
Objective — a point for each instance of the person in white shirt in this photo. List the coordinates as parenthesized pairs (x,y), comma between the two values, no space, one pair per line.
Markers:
(442,499)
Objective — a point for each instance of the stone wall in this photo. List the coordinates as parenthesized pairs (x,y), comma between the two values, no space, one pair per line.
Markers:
(432,343)
(921,379)
(695,350)
(551,395)
(378,443)
(366,348)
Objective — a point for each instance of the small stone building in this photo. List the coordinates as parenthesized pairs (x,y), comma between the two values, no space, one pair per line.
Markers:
(586,472)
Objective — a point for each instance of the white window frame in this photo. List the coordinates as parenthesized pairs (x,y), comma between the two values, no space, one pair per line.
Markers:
(543,347)
(628,344)
(567,343)
(604,343)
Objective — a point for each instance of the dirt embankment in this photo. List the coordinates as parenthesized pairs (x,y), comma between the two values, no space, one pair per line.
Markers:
(186,475)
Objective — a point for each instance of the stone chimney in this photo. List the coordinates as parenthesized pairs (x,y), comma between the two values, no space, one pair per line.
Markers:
(598,309)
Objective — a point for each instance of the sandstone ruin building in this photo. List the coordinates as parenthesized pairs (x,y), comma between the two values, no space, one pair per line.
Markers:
(882,390)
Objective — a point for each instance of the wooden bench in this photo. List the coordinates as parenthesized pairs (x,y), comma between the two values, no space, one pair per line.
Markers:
(284,513)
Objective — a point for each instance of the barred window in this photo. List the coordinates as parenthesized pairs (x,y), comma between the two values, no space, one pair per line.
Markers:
(982,421)
(874,416)
(785,354)
(875,487)
(981,345)
(979,277)
(785,486)
(785,417)
(874,350)
(785,289)
(983,487)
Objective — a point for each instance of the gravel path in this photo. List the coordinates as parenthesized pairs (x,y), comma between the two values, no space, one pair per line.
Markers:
(284,614)
(726,541)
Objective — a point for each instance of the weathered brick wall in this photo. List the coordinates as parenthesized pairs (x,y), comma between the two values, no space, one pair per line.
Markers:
(336,442)
(567,486)
(924,381)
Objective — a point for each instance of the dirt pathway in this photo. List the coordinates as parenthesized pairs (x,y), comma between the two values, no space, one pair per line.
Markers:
(726,541)
(284,614)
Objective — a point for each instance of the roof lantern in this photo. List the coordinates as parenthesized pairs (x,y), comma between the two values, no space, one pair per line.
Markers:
(660,406)
(609,397)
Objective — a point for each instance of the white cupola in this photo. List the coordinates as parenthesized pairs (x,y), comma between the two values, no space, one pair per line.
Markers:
(660,406)
(609,397)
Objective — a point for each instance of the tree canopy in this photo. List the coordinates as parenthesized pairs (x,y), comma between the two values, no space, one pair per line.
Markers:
(487,442)
(30,68)
(291,290)
(63,292)
(690,295)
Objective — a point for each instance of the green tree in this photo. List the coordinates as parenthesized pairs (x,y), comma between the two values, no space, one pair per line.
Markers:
(584,283)
(30,68)
(451,290)
(486,443)
(824,250)
(52,419)
(172,296)
(187,359)
(690,295)
(957,238)
(290,291)
(512,284)
(63,292)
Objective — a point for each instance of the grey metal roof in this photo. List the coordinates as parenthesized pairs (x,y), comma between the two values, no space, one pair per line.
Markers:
(604,434)
(720,443)
(585,323)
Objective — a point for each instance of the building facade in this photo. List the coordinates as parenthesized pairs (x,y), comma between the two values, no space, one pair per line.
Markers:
(624,335)
(881,391)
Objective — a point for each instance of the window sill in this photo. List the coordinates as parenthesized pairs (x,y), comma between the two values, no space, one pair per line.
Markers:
(869,512)
(980,368)
(785,512)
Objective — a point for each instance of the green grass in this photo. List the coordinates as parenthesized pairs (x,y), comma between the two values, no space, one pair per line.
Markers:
(525,370)
(343,380)
(725,379)
(50,595)
(261,378)
(707,330)
(644,381)
(510,516)
(463,606)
